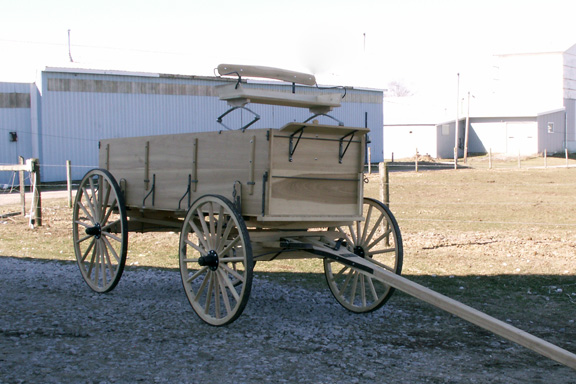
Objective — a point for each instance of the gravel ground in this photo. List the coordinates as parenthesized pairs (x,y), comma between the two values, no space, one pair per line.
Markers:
(53,329)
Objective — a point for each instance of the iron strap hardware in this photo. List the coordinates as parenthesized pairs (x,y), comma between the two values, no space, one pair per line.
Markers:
(152,191)
(244,127)
(187,193)
(292,147)
(342,149)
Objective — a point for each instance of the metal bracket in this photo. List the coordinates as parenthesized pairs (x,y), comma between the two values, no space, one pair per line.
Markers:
(343,150)
(190,181)
(292,147)
(152,192)
(340,123)
(237,196)
(244,127)
(264,181)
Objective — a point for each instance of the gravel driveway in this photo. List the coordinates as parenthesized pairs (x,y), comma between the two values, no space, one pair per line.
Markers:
(53,329)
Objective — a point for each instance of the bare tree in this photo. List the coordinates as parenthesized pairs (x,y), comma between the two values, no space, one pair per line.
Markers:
(398,89)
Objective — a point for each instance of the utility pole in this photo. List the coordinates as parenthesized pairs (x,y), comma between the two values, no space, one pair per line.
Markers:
(456,123)
(467,129)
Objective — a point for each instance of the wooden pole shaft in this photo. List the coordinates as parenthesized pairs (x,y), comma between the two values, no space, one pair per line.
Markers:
(478,318)
(449,305)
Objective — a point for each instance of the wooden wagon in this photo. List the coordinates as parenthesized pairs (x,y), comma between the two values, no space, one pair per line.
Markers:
(247,195)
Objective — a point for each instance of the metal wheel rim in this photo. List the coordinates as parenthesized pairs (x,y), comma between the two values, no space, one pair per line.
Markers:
(100,230)
(218,291)
(353,289)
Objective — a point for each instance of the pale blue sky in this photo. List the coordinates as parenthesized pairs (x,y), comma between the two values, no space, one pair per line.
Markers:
(358,43)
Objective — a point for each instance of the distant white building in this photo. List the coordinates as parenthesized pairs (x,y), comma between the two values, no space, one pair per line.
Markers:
(529,107)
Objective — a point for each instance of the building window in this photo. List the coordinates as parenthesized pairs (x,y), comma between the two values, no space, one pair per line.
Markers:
(550,127)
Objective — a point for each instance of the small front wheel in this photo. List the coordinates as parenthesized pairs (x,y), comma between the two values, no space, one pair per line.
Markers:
(376,239)
(100,230)
(216,260)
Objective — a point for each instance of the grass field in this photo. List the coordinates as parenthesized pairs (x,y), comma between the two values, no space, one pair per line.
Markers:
(501,240)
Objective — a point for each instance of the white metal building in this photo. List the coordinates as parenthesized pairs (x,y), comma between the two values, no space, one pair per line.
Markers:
(66,113)
(530,107)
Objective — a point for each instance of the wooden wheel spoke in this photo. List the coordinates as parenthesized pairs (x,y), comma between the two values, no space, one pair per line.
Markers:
(353,234)
(85,255)
(108,234)
(223,291)
(366,224)
(212,224)
(382,251)
(93,200)
(109,246)
(234,273)
(373,289)
(200,250)
(354,287)
(379,239)
(110,225)
(199,234)
(107,212)
(209,293)
(229,246)
(88,215)
(205,230)
(197,274)
(104,203)
(373,231)
(229,285)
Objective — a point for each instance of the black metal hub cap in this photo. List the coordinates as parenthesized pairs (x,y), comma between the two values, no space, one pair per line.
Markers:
(210,260)
(94,231)
(359,251)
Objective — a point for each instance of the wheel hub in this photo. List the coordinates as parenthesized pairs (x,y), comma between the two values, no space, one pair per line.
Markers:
(359,251)
(210,260)
(94,231)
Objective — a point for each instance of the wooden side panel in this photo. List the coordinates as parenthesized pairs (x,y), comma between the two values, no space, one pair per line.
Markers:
(218,161)
(315,180)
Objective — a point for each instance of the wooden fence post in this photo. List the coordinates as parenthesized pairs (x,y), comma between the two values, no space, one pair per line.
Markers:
(36,216)
(566,150)
(545,158)
(69,181)
(416,161)
(22,187)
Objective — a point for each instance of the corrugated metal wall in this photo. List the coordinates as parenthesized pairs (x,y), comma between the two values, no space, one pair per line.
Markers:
(552,131)
(79,109)
(14,117)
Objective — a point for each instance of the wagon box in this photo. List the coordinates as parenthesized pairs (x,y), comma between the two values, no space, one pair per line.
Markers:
(300,173)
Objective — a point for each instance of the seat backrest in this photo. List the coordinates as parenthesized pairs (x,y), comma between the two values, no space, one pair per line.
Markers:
(266,73)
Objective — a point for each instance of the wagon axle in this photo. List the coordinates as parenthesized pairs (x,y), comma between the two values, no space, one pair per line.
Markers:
(210,260)
(94,231)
